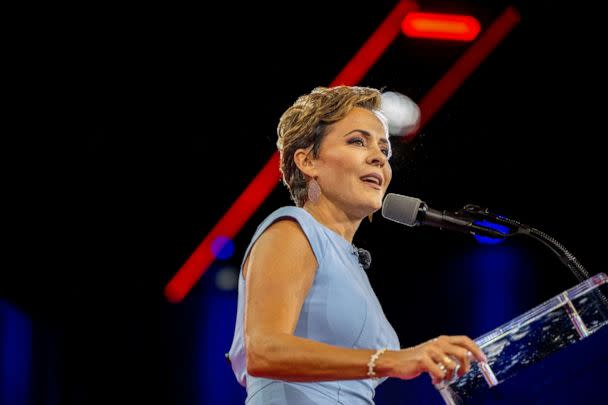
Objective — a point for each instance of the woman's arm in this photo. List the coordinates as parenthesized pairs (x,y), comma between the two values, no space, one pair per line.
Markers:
(279,273)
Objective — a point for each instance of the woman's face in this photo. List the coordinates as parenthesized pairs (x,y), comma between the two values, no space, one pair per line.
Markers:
(352,167)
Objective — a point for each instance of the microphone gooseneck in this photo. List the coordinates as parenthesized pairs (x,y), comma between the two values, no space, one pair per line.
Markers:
(411,211)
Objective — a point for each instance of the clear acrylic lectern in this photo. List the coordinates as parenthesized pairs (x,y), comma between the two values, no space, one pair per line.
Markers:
(559,322)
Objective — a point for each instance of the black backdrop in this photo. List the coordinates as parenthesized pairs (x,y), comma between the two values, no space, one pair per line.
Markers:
(132,129)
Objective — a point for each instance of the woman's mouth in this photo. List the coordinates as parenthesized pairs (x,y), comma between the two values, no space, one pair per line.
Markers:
(373,180)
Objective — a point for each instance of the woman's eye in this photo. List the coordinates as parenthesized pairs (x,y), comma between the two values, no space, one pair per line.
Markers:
(357,141)
(386,152)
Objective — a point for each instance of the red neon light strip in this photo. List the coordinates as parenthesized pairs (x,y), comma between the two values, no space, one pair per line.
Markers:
(267,179)
(464,66)
(441,26)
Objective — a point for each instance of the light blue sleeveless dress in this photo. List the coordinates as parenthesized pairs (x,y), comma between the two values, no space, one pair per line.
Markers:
(340,309)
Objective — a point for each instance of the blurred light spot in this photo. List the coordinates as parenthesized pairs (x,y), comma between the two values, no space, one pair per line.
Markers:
(15,356)
(227,278)
(487,240)
(402,113)
(222,247)
(440,26)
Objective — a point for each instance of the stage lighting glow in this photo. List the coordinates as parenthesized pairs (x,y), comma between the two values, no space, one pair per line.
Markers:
(436,97)
(440,26)
(486,240)
(16,356)
(402,113)
(222,247)
(227,278)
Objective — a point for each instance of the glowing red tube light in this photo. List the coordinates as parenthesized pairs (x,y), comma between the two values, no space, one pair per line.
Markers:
(440,26)
(464,67)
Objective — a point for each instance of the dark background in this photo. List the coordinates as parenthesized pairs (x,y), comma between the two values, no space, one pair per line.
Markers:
(131,129)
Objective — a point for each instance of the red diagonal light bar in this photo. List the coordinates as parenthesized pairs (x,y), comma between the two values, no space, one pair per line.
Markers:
(375,46)
(229,225)
(267,179)
(464,66)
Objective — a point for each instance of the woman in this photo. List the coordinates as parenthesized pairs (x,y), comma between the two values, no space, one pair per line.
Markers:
(309,327)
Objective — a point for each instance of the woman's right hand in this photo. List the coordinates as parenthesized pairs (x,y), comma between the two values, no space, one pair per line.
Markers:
(453,352)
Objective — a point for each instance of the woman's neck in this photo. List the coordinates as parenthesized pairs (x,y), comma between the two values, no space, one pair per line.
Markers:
(334,218)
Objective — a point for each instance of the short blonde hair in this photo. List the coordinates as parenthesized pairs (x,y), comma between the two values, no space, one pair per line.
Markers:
(305,123)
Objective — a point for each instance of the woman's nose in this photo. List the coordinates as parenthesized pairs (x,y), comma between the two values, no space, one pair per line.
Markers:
(377,157)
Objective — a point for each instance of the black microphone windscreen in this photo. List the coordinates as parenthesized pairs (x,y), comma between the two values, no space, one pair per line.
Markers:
(365,258)
(401,208)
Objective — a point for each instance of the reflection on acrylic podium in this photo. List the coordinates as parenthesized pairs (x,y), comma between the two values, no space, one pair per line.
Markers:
(555,353)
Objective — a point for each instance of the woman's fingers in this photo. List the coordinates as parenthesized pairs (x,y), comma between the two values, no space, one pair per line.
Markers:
(444,362)
(447,357)
(470,345)
(435,371)
(461,356)
(451,366)
(456,353)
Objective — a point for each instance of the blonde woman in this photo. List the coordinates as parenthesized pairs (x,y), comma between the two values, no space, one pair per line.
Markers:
(309,328)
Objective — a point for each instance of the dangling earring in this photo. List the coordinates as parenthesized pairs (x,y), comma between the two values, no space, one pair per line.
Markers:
(314,191)
(370,216)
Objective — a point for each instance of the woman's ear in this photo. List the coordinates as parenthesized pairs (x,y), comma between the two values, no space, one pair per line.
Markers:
(305,162)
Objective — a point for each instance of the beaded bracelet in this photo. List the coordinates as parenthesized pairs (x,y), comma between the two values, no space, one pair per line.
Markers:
(372,363)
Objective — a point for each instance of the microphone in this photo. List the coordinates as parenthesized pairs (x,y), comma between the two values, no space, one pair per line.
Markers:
(365,258)
(411,211)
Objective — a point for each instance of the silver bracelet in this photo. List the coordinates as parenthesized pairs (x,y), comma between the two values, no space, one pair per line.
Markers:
(372,363)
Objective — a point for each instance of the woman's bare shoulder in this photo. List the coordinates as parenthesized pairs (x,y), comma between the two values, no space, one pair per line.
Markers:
(282,242)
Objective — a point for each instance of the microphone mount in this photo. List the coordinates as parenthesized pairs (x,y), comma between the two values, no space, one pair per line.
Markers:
(470,219)
(457,221)
(517,228)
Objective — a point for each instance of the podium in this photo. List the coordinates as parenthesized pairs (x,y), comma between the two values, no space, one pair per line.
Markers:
(555,353)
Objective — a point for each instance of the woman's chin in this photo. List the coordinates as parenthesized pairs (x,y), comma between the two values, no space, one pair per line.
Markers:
(377,205)
(370,209)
